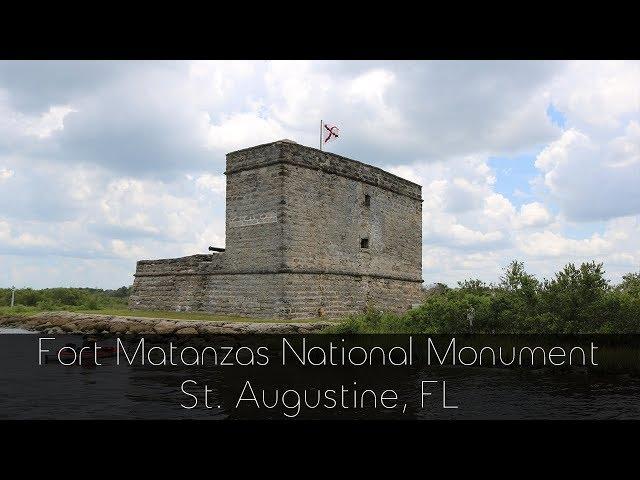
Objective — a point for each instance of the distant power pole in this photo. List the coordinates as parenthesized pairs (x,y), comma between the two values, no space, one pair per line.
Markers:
(471,313)
(13,294)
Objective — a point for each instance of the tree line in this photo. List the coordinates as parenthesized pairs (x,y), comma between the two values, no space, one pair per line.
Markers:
(578,299)
(66,298)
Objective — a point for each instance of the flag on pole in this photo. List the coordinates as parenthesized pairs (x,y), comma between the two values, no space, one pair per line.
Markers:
(328,133)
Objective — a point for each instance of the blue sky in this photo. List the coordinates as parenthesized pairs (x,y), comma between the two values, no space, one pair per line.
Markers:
(106,162)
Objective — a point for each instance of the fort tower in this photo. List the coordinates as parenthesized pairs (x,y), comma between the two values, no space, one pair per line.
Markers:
(308,234)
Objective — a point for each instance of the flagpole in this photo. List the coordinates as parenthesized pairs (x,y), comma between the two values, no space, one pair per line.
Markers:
(321,135)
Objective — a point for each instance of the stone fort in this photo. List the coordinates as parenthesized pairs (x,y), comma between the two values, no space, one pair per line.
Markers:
(308,234)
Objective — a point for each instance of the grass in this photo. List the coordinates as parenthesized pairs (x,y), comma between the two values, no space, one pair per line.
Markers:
(22,311)
(18,311)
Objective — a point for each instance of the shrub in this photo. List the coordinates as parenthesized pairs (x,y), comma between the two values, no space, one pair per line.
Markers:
(576,300)
(67,298)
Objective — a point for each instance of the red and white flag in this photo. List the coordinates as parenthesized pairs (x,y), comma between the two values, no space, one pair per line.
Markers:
(328,133)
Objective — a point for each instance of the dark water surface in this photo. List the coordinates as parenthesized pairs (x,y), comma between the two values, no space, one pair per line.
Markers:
(110,391)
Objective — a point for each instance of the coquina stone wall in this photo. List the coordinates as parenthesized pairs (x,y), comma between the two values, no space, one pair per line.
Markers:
(284,295)
(295,222)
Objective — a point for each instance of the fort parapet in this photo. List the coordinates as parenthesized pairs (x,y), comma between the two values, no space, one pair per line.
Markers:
(308,234)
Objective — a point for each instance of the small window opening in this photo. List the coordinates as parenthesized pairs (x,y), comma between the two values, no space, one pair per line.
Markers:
(364,243)
(367,200)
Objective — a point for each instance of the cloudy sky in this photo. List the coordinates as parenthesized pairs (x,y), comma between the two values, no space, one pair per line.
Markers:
(103,163)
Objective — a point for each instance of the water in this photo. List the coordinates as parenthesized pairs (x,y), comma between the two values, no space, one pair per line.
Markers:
(4,331)
(54,391)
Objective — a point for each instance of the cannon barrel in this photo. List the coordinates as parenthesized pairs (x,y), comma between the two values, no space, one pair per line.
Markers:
(216,249)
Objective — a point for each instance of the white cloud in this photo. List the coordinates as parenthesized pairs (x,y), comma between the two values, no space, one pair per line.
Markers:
(213,183)
(547,243)
(17,127)
(371,86)
(212,81)
(534,214)
(24,240)
(240,130)
(598,94)
(593,180)
(461,195)
(127,250)
(150,209)
(463,236)
(498,210)
(625,149)
(6,174)
(124,160)
(48,122)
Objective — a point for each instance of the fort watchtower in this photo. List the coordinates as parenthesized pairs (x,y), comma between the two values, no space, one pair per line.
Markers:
(308,233)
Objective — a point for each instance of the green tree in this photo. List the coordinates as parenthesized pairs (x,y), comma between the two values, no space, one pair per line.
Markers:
(474,285)
(575,295)
(630,284)
(515,278)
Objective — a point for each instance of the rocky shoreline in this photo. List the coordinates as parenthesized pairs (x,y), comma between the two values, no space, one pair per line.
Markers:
(85,323)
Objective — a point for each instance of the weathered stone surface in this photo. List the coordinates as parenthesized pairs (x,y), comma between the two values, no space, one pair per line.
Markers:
(295,219)
(118,327)
(66,322)
(217,329)
(163,327)
(187,331)
(138,328)
(31,323)
(58,321)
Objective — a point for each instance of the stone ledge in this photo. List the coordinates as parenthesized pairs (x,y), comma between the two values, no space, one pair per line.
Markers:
(281,152)
(198,257)
(80,323)
(281,271)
